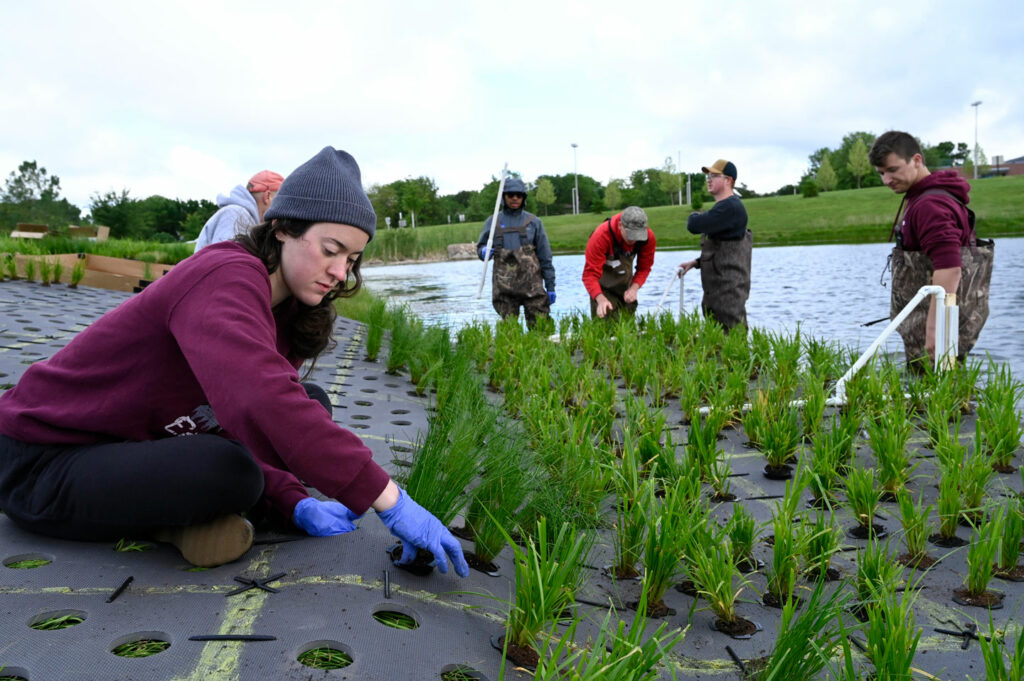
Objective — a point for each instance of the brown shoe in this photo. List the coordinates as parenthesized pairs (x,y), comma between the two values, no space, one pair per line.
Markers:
(214,543)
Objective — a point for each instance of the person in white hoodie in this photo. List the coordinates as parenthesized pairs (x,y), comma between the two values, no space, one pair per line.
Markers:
(240,210)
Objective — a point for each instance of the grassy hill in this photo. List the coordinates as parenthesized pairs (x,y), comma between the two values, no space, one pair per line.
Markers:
(849,216)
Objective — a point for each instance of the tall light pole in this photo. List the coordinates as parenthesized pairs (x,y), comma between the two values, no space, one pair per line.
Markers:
(679,167)
(975,105)
(576,183)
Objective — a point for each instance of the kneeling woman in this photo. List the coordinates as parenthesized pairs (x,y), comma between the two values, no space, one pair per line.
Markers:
(181,409)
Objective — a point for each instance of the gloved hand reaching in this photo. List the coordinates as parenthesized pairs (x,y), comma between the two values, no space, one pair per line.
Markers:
(551,297)
(485,252)
(324,518)
(419,529)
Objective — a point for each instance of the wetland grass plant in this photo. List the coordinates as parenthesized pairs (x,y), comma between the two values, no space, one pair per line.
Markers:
(807,642)
(825,359)
(617,653)
(938,414)
(57,272)
(504,487)
(821,541)
(781,437)
(743,533)
(891,635)
(888,437)
(1010,537)
(1001,664)
(914,520)
(863,498)
(975,478)
(878,576)
(665,541)
(77,273)
(635,496)
(10,267)
(813,410)
(999,422)
(30,269)
(406,334)
(711,567)
(702,450)
(548,574)
(982,555)
(376,324)
(45,271)
(785,563)
(949,504)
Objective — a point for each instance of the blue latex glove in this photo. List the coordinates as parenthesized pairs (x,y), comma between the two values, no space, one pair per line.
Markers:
(551,297)
(484,252)
(419,529)
(324,518)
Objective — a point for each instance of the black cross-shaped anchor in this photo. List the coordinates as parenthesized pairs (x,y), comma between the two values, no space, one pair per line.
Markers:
(255,583)
(968,633)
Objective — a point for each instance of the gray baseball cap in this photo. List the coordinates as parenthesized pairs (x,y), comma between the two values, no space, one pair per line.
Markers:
(634,224)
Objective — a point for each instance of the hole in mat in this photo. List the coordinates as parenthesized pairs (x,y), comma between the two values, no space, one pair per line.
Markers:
(325,655)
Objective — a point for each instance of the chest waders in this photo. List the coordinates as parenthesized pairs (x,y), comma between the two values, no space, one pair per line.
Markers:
(913,269)
(616,277)
(725,278)
(517,278)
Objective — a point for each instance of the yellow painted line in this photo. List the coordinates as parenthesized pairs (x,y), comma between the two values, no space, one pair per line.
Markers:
(221,659)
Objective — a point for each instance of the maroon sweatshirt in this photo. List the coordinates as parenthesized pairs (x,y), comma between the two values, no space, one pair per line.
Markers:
(936,223)
(196,351)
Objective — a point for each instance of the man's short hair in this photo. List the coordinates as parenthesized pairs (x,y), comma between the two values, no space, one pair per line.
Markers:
(902,144)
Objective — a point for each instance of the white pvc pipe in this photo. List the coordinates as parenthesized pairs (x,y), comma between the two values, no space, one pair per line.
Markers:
(494,221)
(668,288)
(923,292)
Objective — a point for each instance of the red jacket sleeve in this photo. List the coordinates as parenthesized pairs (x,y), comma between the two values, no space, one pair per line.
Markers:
(597,252)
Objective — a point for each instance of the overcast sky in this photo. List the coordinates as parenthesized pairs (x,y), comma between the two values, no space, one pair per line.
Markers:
(187,99)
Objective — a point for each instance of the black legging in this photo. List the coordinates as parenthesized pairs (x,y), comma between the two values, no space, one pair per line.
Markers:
(106,491)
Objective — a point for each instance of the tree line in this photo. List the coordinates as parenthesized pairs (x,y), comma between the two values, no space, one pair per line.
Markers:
(31,194)
(848,167)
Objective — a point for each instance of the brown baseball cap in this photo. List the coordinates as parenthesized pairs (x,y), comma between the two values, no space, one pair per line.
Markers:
(721,167)
(264,181)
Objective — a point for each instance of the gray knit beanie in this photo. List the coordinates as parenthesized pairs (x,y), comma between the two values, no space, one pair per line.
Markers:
(326,188)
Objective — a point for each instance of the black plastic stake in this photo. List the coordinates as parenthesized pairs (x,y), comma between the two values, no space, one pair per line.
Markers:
(387,584)
(737,660)
(119,590)
(232,637)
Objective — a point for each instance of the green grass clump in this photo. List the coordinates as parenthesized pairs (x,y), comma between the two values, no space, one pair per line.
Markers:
(141,648)
(29,564)
(325,658)
(396,620)
(56,623)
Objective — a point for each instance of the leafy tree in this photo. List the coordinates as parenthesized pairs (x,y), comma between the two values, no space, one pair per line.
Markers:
(613,194)
(962,155)
(30,194)
(809,187)
(384,199)
(745,192)
(647,188)
(670,179)
(124,215)
(418,195)
(859,164)
(545,194)
(826,176)
(983,167)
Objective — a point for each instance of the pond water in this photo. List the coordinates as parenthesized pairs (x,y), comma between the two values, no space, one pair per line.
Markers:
(830,291)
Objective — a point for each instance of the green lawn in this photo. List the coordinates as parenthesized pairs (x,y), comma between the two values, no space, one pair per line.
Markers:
(849,216)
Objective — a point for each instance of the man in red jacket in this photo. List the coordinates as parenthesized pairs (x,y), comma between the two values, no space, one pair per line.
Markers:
(608,271)
(935,244)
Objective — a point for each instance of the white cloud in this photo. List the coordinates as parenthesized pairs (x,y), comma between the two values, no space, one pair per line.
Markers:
(191,98)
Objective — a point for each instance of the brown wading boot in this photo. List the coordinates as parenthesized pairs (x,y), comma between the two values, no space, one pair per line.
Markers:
(219,541)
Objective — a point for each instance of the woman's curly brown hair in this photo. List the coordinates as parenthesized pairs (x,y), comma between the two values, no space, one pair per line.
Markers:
(311,331)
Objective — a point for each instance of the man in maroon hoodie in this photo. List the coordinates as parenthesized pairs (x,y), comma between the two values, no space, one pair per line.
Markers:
(935,244)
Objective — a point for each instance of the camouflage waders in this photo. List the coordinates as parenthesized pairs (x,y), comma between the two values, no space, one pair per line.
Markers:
(725,278)
(616,277)
(518,281)
(913,269)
